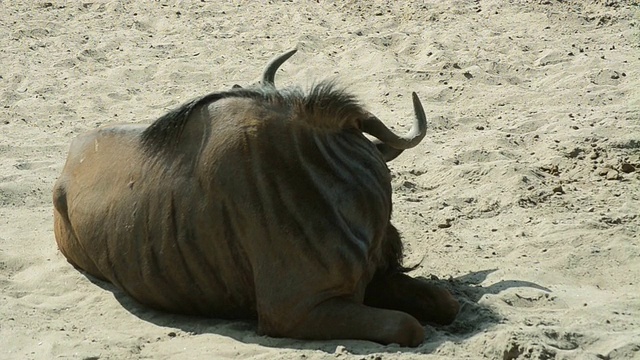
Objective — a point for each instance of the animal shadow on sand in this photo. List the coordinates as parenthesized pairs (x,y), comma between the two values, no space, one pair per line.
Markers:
(472,319)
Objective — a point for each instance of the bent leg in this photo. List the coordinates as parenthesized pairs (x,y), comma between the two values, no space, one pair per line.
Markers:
(339,318)
(425,301)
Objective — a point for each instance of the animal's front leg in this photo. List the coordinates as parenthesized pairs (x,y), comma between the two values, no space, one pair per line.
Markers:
(341,318)
(425,301)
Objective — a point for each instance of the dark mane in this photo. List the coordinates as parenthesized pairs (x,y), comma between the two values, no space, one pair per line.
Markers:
(164,133)
(328,107)
(324,107)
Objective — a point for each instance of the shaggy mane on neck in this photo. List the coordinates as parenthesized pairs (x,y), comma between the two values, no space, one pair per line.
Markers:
(325,107)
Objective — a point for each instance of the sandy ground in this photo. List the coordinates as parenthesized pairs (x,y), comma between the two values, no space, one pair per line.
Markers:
(523,199)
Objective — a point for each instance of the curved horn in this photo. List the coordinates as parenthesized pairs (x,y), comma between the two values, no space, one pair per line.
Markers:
(391,145)
(388,153)
(270,71)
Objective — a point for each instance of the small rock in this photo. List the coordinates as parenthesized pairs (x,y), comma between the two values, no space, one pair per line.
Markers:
(558,189)
(172,334)
(612,175)
(575,152)
(551,169)
(340,350)
(479,127)
(444,225)
(408,184)
(627,168)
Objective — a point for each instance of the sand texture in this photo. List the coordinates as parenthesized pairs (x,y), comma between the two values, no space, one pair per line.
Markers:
(523,199)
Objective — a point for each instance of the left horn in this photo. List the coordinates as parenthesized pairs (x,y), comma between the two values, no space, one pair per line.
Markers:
(268,78)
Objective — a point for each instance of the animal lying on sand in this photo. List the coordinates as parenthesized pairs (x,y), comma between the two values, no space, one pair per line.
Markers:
(253,202)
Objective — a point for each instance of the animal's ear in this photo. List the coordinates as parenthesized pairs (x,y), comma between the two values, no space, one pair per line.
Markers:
(236,86)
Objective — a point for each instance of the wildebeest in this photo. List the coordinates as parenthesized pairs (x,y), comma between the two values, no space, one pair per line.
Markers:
(253,202)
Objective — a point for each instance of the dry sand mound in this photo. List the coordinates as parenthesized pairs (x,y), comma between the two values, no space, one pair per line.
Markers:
(524,197)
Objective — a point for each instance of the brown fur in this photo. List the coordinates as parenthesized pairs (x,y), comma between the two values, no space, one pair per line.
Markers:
(247,203)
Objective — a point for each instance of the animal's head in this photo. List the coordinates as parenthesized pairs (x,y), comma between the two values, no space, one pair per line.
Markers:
(388,143)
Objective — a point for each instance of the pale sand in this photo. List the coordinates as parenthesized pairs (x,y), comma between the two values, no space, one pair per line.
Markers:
(518,195)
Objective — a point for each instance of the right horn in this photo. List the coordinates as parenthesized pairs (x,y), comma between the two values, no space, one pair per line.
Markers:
(390,144)
(269,75)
